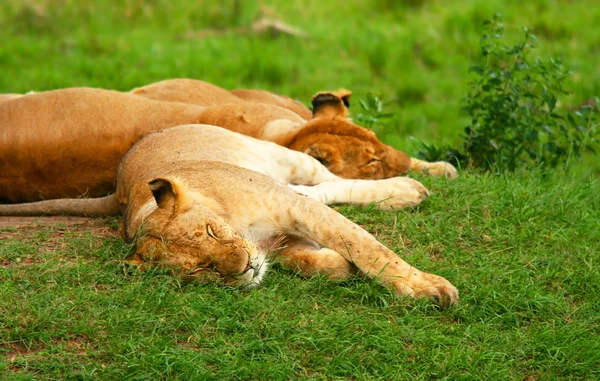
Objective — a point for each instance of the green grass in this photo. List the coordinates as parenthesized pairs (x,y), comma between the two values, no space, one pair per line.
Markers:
(522,248)
(522,251)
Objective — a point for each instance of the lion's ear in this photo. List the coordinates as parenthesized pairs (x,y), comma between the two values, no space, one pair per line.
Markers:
(321,152)
(170,194)
(329,105)
(344,95)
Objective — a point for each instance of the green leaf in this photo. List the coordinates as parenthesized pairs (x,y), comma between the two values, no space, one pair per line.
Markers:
(571,120)
(476,69)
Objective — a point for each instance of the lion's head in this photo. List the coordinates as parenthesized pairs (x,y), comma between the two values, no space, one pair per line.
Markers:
(185,235)
(346,149)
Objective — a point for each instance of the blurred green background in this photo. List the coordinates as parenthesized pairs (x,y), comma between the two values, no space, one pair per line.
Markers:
(521,248)
(414,54)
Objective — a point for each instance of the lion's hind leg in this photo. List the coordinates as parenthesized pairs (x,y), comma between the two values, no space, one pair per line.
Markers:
(309,259)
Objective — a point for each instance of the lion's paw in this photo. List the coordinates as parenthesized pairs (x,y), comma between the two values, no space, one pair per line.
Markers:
(442,168)
(400,192)
(418,284)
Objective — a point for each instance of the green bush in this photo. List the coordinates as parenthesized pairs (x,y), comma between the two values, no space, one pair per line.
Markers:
(371,113)
(515,118)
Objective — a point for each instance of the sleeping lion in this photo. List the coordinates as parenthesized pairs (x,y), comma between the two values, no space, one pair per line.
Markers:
(326,133)
(68,143)
(206,202)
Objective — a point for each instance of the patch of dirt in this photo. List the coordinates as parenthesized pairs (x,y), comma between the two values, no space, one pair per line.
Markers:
(16,350)
(29,222)
(435,252)
(79,345)
(17,227)
(185,344)
(51,234)
(7,263)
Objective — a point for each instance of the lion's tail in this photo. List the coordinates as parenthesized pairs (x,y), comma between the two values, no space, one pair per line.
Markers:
(90,207)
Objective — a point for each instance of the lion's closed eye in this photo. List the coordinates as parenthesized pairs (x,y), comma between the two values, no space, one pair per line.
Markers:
(210,233)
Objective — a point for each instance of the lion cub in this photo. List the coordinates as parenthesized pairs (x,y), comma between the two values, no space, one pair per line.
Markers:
(207,206)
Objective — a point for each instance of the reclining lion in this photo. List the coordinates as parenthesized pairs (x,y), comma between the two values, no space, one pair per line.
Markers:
(208,206)
(68,143)
(6,97)
(201,93)
(326,133)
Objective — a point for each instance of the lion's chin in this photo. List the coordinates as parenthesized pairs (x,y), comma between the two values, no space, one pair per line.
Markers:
(255,275)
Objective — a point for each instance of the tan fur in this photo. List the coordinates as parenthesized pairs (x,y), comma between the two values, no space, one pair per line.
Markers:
(189,91)
(200,210)
(202,93)
(262,96)
(6,97)
(67,143)
(350,154)
(206,202)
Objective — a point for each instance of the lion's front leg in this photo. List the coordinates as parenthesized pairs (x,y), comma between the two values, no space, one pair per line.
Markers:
(314,221)
(437,168)
(309,259)
(293,167)
(393,193)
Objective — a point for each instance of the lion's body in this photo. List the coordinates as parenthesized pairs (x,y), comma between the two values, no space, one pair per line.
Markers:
(6,97)
(209,206)
(202,93)
(299,171)
(325,133)
(67,143)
